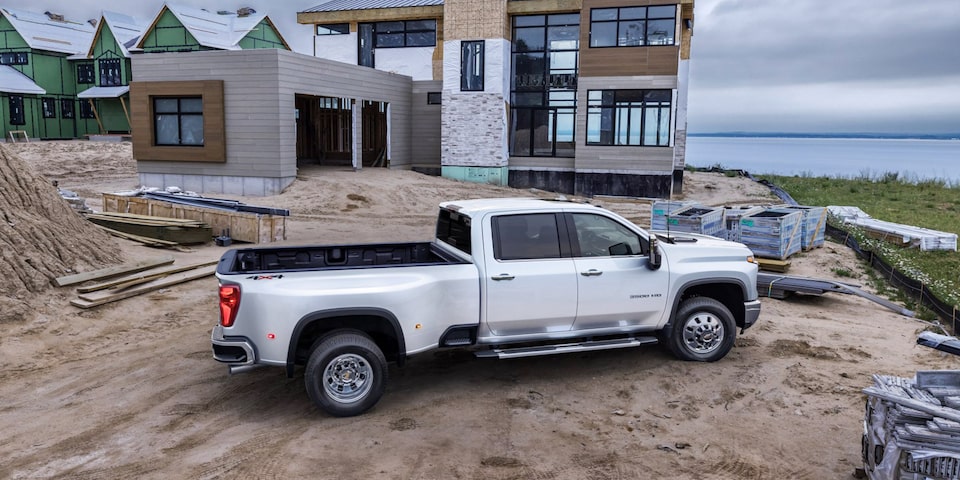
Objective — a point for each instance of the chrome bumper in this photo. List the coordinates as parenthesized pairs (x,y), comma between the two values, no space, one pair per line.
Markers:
(751,311)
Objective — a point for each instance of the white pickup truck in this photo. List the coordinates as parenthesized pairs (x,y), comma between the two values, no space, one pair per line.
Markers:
(504,277)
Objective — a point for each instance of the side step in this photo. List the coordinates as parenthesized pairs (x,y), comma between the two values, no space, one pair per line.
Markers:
(565,348)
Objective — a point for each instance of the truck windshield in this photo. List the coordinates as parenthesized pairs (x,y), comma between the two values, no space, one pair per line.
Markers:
(454,230)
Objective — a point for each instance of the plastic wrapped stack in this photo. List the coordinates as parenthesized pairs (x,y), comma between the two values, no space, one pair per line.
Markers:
(772,233)
(731,220)
(661,209)
(814,226)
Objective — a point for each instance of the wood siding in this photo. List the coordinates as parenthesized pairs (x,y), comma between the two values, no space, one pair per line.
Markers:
(144,143)
(624,61)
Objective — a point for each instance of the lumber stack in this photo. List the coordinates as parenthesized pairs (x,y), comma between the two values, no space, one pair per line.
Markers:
(912,427)
(902,235)
(126,281)
(153,230)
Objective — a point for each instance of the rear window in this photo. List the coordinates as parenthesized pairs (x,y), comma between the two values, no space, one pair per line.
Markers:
(454,230)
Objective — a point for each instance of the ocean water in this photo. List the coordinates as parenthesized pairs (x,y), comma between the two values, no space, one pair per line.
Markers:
(912,159)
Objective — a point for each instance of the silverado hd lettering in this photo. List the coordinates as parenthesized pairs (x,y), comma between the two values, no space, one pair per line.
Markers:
(503,277)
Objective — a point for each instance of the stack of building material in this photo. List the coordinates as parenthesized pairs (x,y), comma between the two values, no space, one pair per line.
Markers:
(911,427)
(173,230)
(814,226)
(662,209)
(731,220)
(772,233)
(697,219)
(903,235)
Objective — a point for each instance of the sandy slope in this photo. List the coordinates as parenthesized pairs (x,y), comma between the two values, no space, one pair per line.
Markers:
(129,390)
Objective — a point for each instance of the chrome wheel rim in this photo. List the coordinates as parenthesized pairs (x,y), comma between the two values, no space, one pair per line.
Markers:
(348,378)
(702,333)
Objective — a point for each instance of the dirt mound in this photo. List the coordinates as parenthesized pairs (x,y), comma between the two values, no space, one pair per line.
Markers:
(41,237)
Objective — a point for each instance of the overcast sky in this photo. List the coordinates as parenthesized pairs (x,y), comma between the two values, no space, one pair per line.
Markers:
(757,65)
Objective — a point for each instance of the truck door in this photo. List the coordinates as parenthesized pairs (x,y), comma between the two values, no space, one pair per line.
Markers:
(616,289)
(531,286)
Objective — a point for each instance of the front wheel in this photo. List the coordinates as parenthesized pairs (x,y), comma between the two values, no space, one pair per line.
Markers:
(346,374)
(703,330)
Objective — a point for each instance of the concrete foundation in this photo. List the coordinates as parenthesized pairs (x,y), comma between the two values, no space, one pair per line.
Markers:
(216,184)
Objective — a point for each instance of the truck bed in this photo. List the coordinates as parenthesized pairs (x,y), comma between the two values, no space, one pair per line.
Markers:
(330,257)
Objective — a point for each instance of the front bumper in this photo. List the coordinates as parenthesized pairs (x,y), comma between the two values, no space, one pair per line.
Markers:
(751,311)
(232,350)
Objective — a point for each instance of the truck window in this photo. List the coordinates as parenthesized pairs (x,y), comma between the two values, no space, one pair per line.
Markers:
(600,236)
(454,230)
(519,237)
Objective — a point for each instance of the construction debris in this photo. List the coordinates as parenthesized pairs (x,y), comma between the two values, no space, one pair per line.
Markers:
(99,298)
(114,271)
(141,280)
(902,235)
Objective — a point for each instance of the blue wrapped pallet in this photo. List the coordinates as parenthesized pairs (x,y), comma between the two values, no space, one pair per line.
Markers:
(697,219)
(814,225)
(731,220)
(772,233)
(661,209)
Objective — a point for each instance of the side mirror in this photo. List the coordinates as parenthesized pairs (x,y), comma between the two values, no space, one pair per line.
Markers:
(654,254)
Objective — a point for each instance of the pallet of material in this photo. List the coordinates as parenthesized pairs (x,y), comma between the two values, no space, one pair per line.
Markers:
(731,220)
(814,226)
(661,209)
(906,236)
(179,231)
(772,233)
(243,226)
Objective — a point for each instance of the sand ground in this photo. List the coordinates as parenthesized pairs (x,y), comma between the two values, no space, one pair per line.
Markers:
(129,390)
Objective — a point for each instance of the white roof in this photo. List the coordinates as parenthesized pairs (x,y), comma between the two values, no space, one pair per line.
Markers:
(104,92)
(125,29)
(211,29)
(12,81)
(42,33)
(340,5)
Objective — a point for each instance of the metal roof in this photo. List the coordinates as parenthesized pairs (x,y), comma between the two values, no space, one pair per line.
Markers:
(340,5)
(12,81)
(104,92)
(42,33)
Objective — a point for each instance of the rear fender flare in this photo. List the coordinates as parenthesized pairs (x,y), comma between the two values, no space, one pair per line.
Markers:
(311,318)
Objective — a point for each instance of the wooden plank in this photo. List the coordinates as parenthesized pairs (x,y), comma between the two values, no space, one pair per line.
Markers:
(91,301)
(772,265)
(113,271)
(127,281)
(150,242)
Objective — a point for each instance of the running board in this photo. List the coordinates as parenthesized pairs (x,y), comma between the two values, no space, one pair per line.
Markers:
(565,348)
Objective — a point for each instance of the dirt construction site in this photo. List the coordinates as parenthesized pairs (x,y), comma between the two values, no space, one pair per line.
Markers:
(130,389)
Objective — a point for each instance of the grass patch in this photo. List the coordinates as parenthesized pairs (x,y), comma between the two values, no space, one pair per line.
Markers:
(931,204)
(842,272)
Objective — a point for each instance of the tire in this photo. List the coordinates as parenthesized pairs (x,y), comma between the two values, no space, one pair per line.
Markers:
(346,374)
(703,331)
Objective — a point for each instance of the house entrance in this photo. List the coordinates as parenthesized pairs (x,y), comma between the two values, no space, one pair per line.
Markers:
(324,130)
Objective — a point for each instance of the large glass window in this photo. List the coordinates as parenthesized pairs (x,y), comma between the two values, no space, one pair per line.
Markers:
(543,85)
(333,29)
(66,108)
(110,72)
(49,105)
(178,121)
(471,66)
(629,117)
(14,58)
(409,33)
(16,110)
(85,73)
(633,26)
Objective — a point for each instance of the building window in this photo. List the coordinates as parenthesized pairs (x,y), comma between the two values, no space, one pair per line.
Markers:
(110,72)
(633,26)
(409,33)
(178,121)
(85,73)
(66,108)
(629,117)
(14,58)
(333,29)
(543,85)
(434,98)
(16,110)
(86,109)
(49,107)
(471,66)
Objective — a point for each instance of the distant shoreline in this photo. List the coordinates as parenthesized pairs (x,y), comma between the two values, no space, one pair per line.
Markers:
(868,136)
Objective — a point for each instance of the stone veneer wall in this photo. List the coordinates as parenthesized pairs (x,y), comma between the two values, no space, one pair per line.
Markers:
(474,129)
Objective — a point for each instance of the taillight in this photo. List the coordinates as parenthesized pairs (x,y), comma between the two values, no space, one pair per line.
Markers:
(229,304)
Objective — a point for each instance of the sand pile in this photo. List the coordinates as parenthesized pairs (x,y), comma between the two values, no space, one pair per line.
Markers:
(41,237)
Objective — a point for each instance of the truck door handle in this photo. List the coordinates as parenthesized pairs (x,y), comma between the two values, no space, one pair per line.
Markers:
(502,276)
(593,272)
